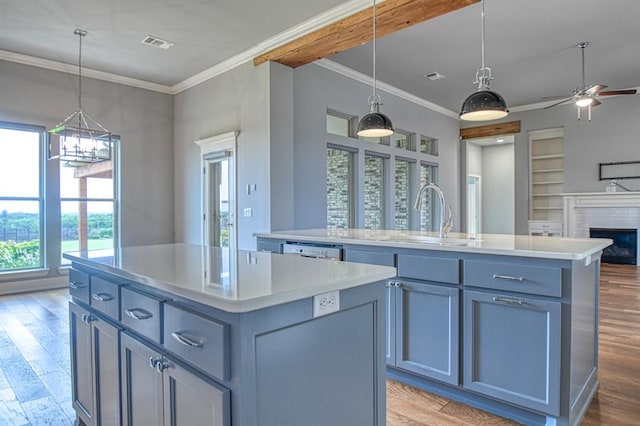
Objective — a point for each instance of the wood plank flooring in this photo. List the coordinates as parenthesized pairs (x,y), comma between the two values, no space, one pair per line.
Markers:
(35,386)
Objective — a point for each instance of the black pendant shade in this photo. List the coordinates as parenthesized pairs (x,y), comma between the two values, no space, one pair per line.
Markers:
(375,125)
(484,105)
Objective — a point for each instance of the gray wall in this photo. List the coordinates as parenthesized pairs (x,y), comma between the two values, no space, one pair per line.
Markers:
(498,189)
(315,90)
(143,119)
(257,102)
(612,135)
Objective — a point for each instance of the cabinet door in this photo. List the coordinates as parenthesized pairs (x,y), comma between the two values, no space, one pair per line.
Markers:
(376,257)
(106,366)
(427,330)
(141,384)
(81,369)
(512,349)
(189,400)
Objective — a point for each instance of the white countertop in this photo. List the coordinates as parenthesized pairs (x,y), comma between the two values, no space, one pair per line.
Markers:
(243,282)
(500,244)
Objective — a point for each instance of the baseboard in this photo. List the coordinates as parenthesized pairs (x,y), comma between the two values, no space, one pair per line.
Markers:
(25,286)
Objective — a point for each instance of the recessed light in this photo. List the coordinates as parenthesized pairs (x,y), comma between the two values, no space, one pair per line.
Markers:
(434,76)
(157,42)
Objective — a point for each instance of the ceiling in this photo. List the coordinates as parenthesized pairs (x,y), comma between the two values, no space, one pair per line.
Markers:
(530,45)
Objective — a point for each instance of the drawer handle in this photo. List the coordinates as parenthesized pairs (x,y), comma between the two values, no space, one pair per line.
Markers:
(509,301)
(138,313)
(508,277)
(192,343)
(76,286)
(102,297)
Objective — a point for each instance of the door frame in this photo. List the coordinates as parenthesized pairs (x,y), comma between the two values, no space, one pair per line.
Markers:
(226,145)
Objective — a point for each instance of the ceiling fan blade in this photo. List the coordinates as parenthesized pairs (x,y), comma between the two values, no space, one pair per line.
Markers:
(558,103)
(618,92)
(595,103)
(595,89)
(549,98)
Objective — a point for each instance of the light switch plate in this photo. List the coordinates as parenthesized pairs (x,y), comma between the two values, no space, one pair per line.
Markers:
(248,212)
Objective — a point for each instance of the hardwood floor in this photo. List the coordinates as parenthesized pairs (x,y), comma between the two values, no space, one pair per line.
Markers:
(35,386)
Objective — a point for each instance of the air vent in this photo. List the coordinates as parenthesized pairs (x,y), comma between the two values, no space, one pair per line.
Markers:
(434,76)
(157,42)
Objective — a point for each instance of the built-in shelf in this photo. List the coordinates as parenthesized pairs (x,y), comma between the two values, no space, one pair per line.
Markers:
(548,171)
(546,175)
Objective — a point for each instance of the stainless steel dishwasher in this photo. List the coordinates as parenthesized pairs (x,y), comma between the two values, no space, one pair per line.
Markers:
(313,250)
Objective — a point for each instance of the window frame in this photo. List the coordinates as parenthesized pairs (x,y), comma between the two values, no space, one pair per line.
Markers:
(50,201)
(352,183)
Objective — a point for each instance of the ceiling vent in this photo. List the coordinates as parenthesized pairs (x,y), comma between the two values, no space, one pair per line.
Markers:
(434,76)
(157,42)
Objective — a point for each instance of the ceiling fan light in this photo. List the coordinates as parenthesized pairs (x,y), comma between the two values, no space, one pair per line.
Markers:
(584,101)
(483,105)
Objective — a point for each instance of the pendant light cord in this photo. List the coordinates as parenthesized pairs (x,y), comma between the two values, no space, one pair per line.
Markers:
(482,33)
(374,51)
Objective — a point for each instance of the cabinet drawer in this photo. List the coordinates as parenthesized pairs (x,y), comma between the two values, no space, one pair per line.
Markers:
(429,268)
(372,257)
(105,297)
(79,285)
(532,279)
(201,341)
(142,313)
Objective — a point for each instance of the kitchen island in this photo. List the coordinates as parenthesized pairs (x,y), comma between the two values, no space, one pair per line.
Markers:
(506,323)
(185,334)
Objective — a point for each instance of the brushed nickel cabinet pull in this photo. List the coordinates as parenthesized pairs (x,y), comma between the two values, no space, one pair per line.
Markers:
(76,286)
(509,301)
(508,277)
(192,343)
(138,313)
(102,297)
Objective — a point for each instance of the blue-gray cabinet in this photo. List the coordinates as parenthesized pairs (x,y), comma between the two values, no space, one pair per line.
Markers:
(157,390)
(427,330)
(95,365)
(512,349)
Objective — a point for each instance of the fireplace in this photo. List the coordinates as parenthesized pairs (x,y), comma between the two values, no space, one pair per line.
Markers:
(625,244)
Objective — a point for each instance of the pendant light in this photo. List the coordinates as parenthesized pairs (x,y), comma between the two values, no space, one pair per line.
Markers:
(375,124)
(79,138)
(484,104)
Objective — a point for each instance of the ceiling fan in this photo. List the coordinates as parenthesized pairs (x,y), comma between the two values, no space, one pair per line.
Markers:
(587,96)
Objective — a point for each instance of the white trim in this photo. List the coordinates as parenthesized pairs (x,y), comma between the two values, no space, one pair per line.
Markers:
(23,275)
(73,69)
(13,287)
(218,142)
(363,78)
(319,21)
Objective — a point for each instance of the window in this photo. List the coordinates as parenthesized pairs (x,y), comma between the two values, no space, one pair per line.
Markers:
(21,197)
(87,205)
(403,140)
(403,193)
(341,124)
(428,174)
(374,189)
(428,145)
(79,205)
(340,207)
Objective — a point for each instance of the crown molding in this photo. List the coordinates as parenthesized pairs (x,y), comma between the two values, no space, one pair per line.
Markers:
(87,72)
(363,78)
(319,21)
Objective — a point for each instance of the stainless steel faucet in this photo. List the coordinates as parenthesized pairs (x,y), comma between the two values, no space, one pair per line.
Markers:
(446,219)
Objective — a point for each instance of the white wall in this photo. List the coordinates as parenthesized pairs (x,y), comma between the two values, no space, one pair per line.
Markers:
(498,189)
(315,90)
(143,119)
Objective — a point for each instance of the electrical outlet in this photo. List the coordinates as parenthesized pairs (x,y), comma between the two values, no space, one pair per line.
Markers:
(326,303)
(248,212)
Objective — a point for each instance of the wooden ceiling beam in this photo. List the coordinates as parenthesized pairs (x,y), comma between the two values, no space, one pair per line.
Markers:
(512,127)
(354,30)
